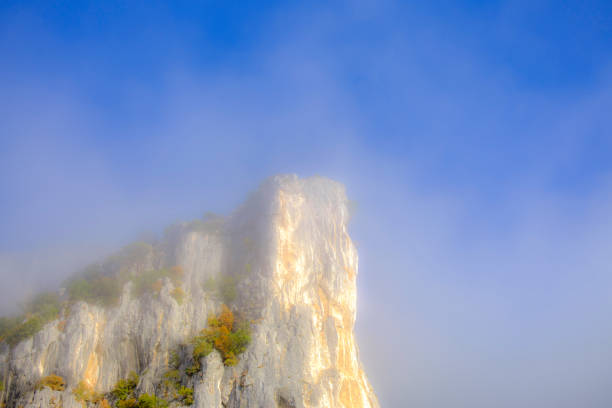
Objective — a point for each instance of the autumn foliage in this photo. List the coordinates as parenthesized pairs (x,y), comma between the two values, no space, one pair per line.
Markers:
(55,382)
(223,334)
(225,319)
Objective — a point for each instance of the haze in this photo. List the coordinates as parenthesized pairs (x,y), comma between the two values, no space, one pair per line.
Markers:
(474,137)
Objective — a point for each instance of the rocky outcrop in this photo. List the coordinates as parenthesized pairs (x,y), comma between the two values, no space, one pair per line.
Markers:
(294,267)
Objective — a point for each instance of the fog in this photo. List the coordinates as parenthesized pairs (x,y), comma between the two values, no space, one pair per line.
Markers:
(484,193)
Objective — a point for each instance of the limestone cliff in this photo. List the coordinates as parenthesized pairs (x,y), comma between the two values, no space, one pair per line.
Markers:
(293,267)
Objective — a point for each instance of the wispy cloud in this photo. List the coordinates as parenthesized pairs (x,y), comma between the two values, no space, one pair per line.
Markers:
(483,223)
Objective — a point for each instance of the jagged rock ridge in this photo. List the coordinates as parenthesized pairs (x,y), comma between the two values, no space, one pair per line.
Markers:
(295,267)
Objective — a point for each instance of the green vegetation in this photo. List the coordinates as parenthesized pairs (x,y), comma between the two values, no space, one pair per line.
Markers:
(99,284)
(175,360)
(85,394)
(125,396)
(125,392)
(173,381)
(127,403)
(124,389)
(230,359)
(223,334)
(186,395)
(193,369)
(129,256)
(179,391)
(178,294)
(201,347)
(102,283)
(151,401)
(45,305)
(101,288)
(8,324)
(173,375)
(225,287)
(24,330)
(55,382)
(95,287)
(37,312)
(210,285)
(152,281)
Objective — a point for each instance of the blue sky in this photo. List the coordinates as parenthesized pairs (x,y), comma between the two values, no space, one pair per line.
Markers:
(474,136)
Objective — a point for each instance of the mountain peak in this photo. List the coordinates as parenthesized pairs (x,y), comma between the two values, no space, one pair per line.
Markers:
(256,310)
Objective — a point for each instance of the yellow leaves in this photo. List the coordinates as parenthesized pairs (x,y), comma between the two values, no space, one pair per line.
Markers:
(230,359)
(55,382)
(104,404)
(219,330)
(224,334)
(226,318)
(85,393)
(212,322)
(178,294)
(127,403)
(222,339)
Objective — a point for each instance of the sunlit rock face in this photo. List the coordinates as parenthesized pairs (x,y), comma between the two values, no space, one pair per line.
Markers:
(295,267)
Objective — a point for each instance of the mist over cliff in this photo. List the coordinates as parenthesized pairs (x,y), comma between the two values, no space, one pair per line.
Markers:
(474,138)
(252,310)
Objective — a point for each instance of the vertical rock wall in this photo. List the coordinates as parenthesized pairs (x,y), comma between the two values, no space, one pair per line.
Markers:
(295,266)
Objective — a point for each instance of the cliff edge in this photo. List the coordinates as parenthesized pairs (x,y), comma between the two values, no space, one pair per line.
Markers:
(284,265)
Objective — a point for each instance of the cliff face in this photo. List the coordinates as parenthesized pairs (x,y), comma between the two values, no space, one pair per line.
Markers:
(294,267)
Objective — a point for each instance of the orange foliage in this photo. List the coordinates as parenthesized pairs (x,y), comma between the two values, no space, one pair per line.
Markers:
(104,404)
(55,382)
(220,328)
(225,335)
(226,318)
(230,359)
(223,342)
(157,286)
(61,325)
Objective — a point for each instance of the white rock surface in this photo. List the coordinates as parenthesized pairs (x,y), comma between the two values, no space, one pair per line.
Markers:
(297,269)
